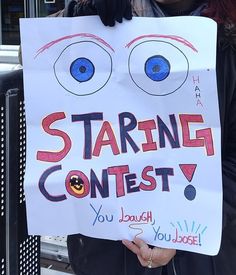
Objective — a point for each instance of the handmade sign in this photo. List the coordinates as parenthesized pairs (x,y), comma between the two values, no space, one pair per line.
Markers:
(123,130)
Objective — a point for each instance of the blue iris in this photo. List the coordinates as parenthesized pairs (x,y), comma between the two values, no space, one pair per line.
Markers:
(82,69)
(157,68)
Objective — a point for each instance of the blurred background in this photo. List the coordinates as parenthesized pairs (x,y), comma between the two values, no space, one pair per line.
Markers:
(53,250)
(10,12)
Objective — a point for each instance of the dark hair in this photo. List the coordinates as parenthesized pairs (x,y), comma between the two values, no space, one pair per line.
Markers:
(223,11)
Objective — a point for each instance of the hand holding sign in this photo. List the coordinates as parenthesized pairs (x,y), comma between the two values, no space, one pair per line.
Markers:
(150,257)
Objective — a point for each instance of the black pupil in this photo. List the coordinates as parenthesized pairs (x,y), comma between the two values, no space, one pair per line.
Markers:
(75,181)
(82,69)
(156,69)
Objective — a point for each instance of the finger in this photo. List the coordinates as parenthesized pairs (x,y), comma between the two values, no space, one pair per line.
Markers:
(101,7)
(151,254)
(140,243)
(146,253)
(146,259)
(111,12)
(142,261)
(128,10)
(135,249)
(120,7)
(131,246)
(145,250)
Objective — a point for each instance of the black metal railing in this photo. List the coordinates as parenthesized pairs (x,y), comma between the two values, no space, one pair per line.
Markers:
(19,252)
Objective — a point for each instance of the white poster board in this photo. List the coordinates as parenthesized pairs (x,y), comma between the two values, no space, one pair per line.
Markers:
(123,130)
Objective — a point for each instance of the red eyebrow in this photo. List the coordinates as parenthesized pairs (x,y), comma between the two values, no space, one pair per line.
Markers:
(87,35)
(173,37)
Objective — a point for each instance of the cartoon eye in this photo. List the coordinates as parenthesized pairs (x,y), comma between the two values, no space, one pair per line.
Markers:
(76,184)
(82,69)
(76,69)
(158,68)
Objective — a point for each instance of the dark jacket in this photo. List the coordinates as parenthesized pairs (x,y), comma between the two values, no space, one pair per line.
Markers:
(90,256)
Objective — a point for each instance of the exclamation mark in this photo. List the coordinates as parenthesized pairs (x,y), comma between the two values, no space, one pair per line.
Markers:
(199,240)
(188,171)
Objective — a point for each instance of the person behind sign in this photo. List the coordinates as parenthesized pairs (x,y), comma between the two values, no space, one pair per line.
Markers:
(90,256)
